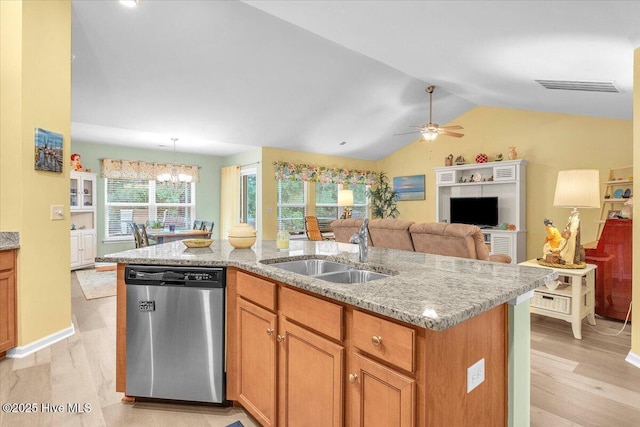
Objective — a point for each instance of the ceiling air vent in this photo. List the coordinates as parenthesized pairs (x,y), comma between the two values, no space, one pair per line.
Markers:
(585,86)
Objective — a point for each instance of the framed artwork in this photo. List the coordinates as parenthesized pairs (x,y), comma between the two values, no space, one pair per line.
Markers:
(613,214)
(409,187)
(48,151)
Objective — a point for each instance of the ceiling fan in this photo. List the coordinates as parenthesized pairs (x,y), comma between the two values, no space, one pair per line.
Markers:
(431,130)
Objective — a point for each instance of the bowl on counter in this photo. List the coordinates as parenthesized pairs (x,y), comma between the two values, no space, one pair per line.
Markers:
(242,236)
(197,243)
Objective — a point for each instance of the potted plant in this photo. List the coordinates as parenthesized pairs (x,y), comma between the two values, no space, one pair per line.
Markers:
(383,198)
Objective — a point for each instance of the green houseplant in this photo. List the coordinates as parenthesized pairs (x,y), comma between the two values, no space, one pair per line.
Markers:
(383,198)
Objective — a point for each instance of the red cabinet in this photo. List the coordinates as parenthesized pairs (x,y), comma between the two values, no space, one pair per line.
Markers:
(613,256)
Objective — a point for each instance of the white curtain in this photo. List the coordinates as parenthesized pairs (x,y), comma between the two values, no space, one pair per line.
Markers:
(229,199)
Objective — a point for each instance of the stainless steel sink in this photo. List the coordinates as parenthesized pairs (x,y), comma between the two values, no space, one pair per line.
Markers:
(311,267)
(330,271)
(352,276)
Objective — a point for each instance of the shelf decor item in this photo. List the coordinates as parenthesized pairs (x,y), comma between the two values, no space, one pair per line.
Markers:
(513,154)
(482,158)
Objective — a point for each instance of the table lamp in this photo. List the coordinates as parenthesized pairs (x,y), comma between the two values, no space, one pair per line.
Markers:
(345,199)
(576,188)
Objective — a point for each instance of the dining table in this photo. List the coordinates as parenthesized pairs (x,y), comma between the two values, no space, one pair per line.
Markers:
(164,235)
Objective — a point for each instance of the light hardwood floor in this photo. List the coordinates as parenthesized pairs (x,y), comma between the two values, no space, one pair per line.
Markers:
(574,382)
(582,382)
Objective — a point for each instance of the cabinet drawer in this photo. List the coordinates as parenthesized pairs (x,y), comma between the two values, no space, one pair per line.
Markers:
(314,313)
(6,260)
(385,340)
(551,302)
(258,290)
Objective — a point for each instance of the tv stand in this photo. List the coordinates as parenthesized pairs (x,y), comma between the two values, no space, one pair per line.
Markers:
(505,180)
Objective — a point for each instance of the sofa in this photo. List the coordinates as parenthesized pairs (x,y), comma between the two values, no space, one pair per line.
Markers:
(457,240)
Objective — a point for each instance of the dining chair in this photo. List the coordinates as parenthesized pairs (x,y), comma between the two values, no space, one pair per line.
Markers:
(197,224)
(207,226)
(140,235)
(312,228)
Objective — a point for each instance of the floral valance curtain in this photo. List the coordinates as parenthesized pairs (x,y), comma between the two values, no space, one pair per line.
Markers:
(125,169)
(313,173)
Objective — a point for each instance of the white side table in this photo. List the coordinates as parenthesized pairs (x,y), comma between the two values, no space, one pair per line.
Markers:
(571,303)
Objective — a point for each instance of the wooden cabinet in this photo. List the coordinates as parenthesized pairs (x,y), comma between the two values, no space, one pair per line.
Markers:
(379,396)
(7,301)
(505,180)
(311,378)
(299,359)
(83,219)
(256,353)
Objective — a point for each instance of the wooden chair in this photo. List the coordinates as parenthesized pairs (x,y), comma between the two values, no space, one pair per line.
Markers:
(207,226)
(140,235)
(197,225)
(312,228)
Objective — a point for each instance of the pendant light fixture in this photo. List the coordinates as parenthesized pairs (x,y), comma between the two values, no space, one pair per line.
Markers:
(174,176)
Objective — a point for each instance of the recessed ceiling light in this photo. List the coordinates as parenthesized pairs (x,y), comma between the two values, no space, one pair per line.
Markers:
(129,3)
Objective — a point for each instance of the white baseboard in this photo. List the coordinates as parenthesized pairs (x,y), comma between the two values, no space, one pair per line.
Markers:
(25,350)
(634,359)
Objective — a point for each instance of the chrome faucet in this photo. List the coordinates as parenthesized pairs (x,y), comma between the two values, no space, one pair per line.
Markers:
(362,239)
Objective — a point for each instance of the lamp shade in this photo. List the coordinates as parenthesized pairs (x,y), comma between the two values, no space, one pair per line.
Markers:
(577,188)
(345,197)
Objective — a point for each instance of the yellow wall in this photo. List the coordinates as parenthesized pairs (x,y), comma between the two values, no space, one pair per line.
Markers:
(635,332)
(35,78)
(269,187)
(549,142)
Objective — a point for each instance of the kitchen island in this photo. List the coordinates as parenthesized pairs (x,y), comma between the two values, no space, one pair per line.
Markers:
(438,316)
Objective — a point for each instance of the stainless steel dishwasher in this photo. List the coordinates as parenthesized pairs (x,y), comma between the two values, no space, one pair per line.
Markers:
(176,332)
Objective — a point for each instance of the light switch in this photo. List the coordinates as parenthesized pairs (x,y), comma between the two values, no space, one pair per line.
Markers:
(57,212)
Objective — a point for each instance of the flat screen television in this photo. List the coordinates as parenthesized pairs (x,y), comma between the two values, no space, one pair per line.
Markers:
(480,211)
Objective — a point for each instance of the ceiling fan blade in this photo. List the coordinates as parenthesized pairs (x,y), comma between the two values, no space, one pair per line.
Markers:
(449,133)
(452,127)
(405,133)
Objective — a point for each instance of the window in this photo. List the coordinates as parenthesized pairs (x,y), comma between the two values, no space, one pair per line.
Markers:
(292,205)
(360,201)
(142,202)
(249,199)
(326,202)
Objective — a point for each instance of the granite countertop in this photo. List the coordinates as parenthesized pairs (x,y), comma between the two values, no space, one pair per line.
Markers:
(431,291)
(9,240)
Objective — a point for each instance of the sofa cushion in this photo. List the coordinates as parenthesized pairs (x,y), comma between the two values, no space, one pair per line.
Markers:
(391,234)
(459,240)
(343,229)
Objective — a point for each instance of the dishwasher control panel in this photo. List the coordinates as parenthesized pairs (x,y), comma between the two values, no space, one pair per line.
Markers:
(162,275)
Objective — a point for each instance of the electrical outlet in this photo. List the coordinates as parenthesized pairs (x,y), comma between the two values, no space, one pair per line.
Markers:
(57,212)
(475,375)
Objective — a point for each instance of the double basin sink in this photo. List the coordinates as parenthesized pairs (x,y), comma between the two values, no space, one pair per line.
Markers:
(330,271)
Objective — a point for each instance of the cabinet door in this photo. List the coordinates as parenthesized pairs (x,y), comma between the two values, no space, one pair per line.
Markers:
(74,192)
(7,310)
(88,247)
(76,244)
(256,347)
(310,378)
(379,396)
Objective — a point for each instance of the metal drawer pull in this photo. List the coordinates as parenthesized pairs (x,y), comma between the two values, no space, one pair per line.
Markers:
(269,331)
(353,378)
(376,340)
(280,338)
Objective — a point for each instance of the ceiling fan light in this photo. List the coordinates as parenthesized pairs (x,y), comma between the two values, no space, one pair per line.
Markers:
(429,136)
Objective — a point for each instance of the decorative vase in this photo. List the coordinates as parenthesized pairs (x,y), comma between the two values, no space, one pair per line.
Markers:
(513,154)
(242,236)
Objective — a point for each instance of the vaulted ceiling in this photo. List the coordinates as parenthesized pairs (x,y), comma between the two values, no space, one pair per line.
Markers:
(228,76)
